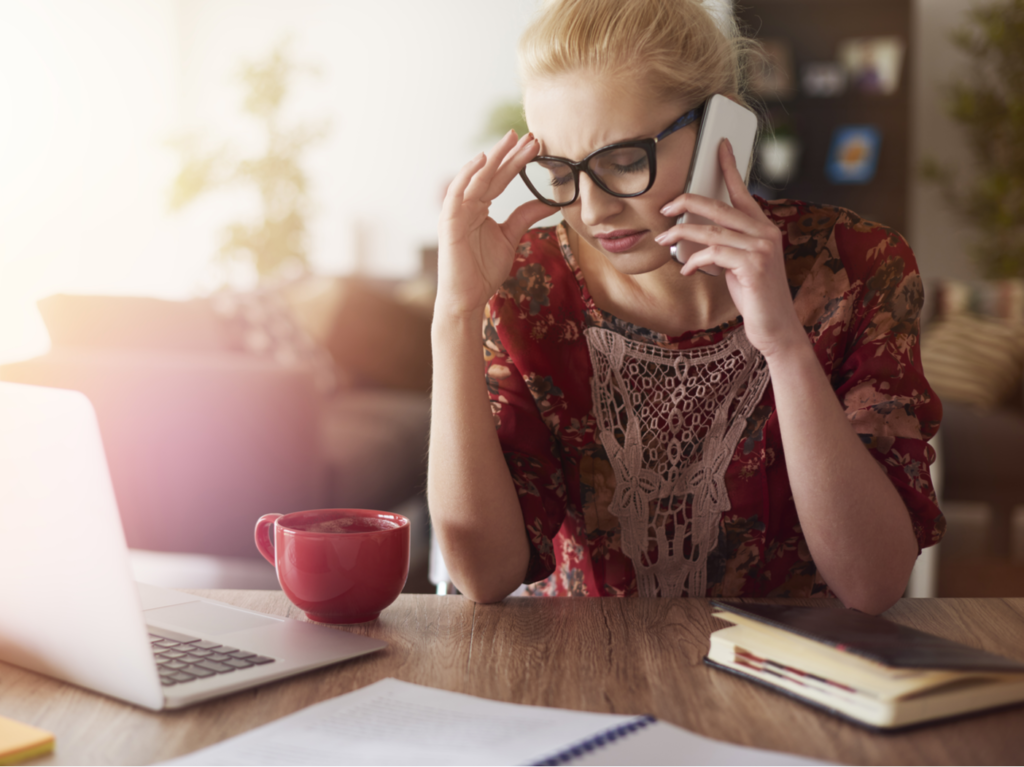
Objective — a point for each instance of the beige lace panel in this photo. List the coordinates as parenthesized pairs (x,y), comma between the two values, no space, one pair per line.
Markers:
(669,421)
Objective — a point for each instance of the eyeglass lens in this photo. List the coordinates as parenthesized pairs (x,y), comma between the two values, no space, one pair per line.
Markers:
(622,170)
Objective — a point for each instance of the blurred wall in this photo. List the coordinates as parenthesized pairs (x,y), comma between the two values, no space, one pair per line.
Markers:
(939,238)
(92,91)
(88,92)
(406,85)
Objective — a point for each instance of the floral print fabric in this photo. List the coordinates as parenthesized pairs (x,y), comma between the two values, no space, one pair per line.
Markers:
(858,293)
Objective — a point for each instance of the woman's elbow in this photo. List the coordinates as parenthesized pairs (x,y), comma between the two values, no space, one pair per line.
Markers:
(485,565)
(484,595)
(486,585)
(873,602)
(876,597)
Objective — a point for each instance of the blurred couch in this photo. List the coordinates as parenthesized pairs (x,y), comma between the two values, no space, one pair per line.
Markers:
(218,410)
(973,355)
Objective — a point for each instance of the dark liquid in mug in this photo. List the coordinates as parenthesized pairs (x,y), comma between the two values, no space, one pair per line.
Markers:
(345,525)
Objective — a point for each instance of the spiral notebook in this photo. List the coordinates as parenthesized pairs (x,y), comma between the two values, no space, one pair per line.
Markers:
(394,722)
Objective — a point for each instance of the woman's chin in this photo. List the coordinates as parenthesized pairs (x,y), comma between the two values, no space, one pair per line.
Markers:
(641,261)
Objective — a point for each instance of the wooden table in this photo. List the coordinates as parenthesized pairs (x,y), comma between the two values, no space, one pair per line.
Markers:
(626,656)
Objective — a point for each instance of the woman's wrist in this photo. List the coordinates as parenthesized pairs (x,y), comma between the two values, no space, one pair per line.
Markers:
(450,312)
(796,356)
(457,327)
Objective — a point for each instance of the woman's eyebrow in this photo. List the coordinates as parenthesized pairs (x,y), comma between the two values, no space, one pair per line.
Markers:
(547,153)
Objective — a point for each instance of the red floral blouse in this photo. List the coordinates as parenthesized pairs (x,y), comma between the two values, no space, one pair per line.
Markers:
(857,291)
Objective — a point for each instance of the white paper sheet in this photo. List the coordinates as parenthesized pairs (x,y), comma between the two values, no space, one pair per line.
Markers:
(393,722)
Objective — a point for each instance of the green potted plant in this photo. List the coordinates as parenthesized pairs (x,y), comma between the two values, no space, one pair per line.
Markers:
(502,117)
(276,239)
(989,104)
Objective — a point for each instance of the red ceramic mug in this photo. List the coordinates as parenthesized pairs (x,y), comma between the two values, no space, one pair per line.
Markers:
(337,565)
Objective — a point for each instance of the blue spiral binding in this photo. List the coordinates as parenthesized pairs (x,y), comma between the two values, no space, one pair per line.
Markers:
(608,736)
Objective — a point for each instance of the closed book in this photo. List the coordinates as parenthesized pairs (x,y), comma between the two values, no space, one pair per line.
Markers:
(861,667)
(21,742)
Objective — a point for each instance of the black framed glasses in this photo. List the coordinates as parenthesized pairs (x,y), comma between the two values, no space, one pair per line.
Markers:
(625,169)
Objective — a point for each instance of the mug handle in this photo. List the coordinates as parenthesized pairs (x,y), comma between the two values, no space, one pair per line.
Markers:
(264,539)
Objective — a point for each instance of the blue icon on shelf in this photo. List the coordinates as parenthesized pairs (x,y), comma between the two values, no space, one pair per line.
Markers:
(853,156)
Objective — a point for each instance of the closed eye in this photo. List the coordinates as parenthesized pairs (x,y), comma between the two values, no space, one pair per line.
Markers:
(620,162)
(633,167)
(560,173)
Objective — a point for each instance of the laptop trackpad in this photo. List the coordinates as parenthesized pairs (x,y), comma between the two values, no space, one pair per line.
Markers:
(203,619)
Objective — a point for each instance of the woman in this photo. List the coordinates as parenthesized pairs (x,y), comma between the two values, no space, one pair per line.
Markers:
(662,431)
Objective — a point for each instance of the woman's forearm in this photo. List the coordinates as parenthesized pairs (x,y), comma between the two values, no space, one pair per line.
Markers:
(856,525)
(473,502)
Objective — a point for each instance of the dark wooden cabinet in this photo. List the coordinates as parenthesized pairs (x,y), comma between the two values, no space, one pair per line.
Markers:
(814,31)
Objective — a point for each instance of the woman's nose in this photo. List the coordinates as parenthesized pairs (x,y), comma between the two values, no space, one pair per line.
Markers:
(596,204)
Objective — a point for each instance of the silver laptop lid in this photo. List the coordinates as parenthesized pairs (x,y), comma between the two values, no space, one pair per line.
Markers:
(69,607)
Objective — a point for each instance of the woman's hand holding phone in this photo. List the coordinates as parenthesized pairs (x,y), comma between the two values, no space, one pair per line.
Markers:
(723,118)
(475,252)
(742,241)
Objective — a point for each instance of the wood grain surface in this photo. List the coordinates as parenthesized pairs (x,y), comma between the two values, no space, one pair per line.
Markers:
(625,656)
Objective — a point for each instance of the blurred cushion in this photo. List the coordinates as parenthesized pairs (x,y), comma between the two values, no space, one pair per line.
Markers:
(132,322)
(375,446)
(996,299)
(381,339)
(982,452)
(975,360)
(260,322)
(313,302)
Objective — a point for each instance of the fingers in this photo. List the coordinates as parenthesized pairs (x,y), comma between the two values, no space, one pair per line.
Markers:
(484,177)
(457,189)
(523,217)
(738,192)
(744,214)
(525,150)
(719,256)
(482,186)
(754,258)
(705,234)
(721,213)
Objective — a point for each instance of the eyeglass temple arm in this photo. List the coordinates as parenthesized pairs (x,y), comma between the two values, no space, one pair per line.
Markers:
(682,122)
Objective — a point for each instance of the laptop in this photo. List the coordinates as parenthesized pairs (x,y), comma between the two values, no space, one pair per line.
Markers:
(69,606)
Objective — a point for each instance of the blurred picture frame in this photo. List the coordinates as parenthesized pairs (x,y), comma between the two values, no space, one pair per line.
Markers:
(776,78)
(823,79)
(873,64)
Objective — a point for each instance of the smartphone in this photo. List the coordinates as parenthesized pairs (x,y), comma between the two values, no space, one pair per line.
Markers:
(723,118)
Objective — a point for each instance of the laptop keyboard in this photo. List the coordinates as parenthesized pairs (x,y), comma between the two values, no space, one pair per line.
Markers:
(181,658)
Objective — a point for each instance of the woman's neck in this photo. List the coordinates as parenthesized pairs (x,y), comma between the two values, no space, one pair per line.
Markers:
(663,300)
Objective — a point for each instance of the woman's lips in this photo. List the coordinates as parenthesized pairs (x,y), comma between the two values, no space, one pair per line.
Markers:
(620,240)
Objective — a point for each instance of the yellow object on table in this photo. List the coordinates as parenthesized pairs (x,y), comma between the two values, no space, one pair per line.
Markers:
(21,742)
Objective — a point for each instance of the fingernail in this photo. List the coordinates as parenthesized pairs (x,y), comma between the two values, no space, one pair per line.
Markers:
(728,145)
(661,238)
(667,210)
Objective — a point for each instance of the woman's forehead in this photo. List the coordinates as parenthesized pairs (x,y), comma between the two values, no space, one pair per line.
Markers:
(574,114)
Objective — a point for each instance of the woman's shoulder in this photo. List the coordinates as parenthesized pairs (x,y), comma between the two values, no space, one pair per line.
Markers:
(540,278)
(541,234)
(811,217)
(834,237)
(539,245)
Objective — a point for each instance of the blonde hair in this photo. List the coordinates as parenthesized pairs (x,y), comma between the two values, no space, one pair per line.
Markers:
(679,50)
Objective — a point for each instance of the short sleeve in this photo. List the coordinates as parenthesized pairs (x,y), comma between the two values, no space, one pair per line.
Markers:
(881,381)
(531,450)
